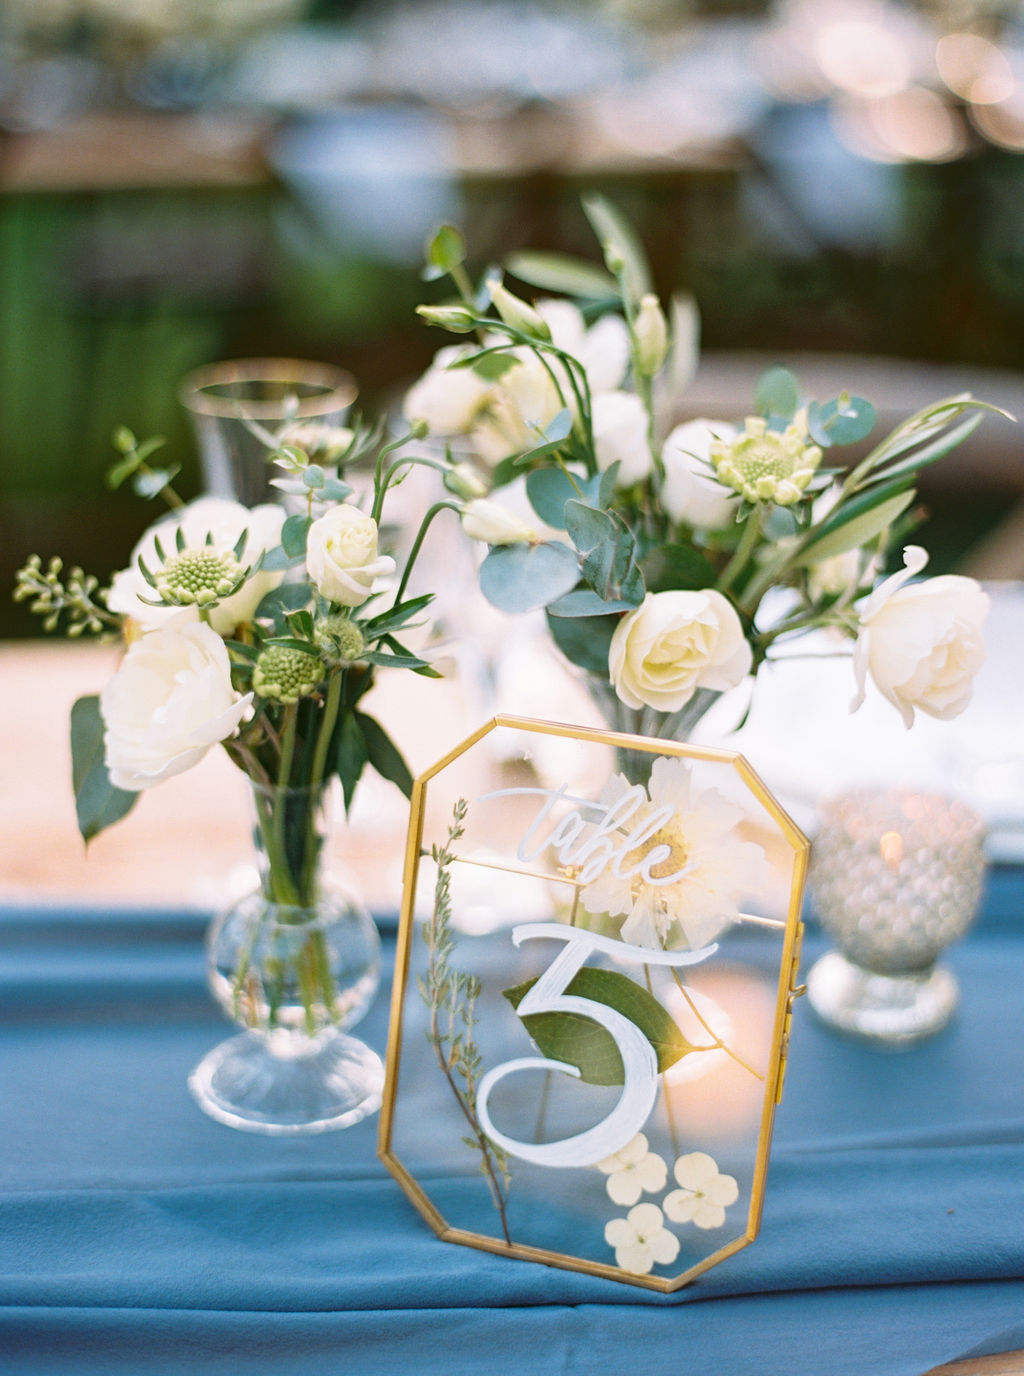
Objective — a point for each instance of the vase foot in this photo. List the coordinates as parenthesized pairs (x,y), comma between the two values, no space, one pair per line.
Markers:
(289,1087)
(893,1010)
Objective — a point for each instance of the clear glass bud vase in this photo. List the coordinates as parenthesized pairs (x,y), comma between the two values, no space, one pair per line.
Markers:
(294,962)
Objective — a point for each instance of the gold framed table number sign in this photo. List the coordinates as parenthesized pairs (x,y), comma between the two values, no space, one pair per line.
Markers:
(597,961)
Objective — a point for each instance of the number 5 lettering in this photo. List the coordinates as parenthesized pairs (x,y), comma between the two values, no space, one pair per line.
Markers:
(639,1062)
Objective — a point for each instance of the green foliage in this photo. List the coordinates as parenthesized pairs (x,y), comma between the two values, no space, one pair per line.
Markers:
(577,1040)
(608,553)
(446,250)
(98,804)
(558,272)
(623,255)
(846,420)
(777,395)
(548,490)
(519,578)
(585,641)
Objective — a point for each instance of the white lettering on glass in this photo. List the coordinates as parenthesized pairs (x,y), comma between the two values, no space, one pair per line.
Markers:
(609,840)
(639,1062)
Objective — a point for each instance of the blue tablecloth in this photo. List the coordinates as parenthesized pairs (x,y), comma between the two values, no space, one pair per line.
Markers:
(140,1237)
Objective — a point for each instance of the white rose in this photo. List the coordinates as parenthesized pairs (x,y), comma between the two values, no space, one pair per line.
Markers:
(487,520)
(675,643)
(341,556)
(603,349)
(690,493)
(170,700)
(922,643)
(225,520)
(620,433)
(448,399)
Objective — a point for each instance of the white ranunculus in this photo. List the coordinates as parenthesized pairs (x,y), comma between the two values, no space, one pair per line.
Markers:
(921,642)
(170,700)
(675,643)
(603,349)
(448,399)
(690,493)
(489,521)
(225,520)
(341,556)
(620,434)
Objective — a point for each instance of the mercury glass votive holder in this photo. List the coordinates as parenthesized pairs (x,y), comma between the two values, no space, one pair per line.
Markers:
(895,877)
(231,404)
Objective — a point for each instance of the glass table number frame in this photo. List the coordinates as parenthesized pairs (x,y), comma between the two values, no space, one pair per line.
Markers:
(597,961)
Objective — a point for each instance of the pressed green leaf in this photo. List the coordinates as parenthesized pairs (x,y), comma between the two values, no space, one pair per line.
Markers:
(777,394)
(293,534)
(383,754)
(519,578)
(584,641)
(579,1041)
(858,527)
(558,272)
(98,804)
(677,568)
(622,251)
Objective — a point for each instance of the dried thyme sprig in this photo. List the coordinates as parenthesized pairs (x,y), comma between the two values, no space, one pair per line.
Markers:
(451,997)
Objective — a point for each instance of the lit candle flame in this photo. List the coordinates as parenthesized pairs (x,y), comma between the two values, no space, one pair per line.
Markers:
(891,846)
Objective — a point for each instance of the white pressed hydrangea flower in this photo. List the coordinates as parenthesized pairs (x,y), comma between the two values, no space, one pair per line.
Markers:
(704,1192)
(714,867)
(632,1170)
(641,1241)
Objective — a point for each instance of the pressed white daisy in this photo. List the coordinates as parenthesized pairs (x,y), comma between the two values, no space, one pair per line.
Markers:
(692,892)
(640,1240)
(632,1170)
(704,1193)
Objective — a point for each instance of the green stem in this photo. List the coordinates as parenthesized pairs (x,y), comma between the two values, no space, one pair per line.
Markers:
(745,548)
(418,543)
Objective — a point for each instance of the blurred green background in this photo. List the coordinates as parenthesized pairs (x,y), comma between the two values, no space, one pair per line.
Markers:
(179,188)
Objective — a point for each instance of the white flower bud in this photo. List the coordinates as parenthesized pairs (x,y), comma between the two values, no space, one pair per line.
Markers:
(650,336)
(494,524)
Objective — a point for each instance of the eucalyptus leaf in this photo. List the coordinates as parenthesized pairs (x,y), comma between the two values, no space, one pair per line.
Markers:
(294,533)
(98,803)
(777,394)
(561,273)
(519,578)
(579,1041)
(548,490)
(846,420)
(608,553)
(585,641)
(288,597)
(313,477)
(277,559)
(586,603)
